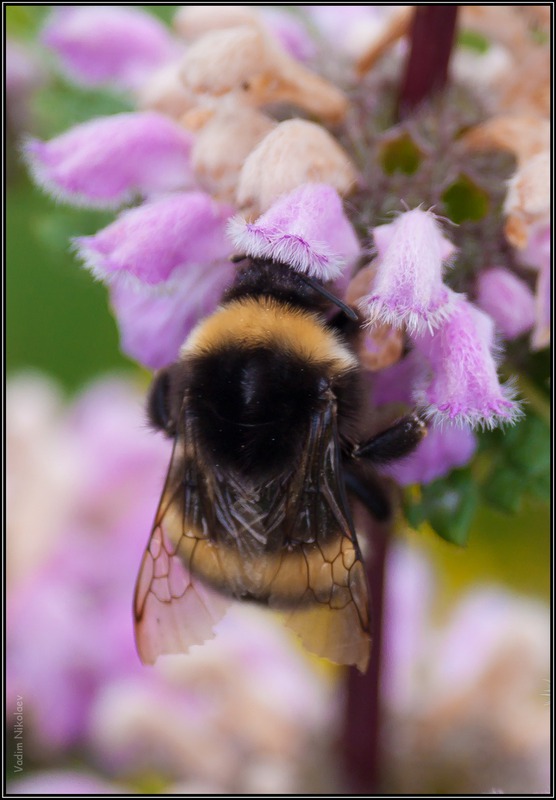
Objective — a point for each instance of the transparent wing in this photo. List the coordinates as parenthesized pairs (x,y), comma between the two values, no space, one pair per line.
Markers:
(172,608)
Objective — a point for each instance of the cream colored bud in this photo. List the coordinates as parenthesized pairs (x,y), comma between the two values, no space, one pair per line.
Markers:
(222,145)
(528,199)
(295,152)
(191,22)
(524,136)
(248,60)
(165,91)
(381,344)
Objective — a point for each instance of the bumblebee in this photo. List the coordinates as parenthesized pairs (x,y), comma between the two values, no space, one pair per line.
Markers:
(265,406)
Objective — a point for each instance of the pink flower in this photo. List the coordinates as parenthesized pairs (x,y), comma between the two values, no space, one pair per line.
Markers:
(98,45)
(507,299)
(443,449)
(69,622)
(408,596)
(107,161)
(64,782)
(408,287)
(306,228)
(464,387)
(153,326)
(395,384)
(292,35)
(537,254)
(24,74)
(158,240)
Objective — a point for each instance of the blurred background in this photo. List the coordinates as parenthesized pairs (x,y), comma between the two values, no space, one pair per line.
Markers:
(467,695)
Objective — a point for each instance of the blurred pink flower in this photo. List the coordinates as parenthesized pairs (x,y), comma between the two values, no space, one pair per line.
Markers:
(69,623)
(507,300)
(443,449)
(154,325)
(463,687)
(538,255)
(64,782)
(24,74)
(115,45)
(106,162)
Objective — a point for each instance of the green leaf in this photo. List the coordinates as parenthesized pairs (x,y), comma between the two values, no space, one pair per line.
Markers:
(448,505)
(400,155)
(519,464)
(503,490)
(464,200)
(472,40)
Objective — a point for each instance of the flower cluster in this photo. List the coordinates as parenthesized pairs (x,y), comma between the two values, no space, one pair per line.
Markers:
(246,138)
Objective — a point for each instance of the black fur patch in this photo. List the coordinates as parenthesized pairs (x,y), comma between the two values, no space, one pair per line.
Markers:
(253,406)
(272,279)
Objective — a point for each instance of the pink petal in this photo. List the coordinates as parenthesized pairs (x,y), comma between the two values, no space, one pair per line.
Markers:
(464,388)
(291,34)
(507,299)
(443,449)
(153,241)
(306,229)
(538,254)
(395,384)
(97,45)
(107,161)
(408,286)
(154,326)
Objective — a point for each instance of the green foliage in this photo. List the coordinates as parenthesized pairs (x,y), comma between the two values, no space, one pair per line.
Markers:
(465,200)
(448,505)
(57,317)
(518,464)
(400,155)
(472,40)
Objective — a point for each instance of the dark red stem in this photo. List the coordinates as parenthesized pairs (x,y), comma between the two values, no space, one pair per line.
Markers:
(361,740)
(432,38)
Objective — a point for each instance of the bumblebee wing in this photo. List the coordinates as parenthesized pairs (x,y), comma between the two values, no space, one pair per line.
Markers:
(173,609)
(330,611)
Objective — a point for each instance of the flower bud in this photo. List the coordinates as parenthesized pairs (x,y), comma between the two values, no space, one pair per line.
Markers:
(222,145)
(247,60)
(295,152)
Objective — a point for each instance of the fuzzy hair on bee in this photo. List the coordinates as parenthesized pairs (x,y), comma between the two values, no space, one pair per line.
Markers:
(265,406)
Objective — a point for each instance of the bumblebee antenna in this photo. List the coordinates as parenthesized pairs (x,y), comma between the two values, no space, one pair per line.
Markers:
(318,287)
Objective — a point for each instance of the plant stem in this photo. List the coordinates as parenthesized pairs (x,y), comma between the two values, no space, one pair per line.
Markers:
(361,740)
(432,38)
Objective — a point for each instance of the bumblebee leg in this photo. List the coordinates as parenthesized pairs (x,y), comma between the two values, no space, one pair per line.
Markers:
(394,442)
(369,492)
